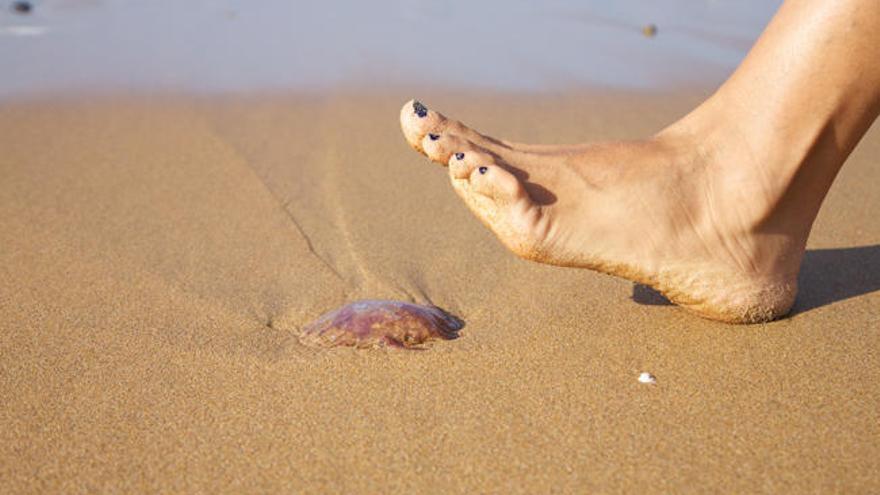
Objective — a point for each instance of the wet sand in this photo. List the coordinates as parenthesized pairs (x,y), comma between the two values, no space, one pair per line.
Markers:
(159,255)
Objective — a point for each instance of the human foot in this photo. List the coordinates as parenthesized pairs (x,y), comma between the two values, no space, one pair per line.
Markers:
(680,212)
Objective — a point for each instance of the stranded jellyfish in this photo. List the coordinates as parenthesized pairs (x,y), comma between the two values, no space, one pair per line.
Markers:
(376,323)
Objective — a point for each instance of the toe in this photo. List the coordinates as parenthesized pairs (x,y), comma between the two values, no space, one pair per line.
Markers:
(417,121)
(440,147)
(478,172)
(497,183)
(462,163)
(499,199)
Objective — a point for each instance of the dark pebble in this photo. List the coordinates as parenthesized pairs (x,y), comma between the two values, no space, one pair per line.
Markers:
(21,7)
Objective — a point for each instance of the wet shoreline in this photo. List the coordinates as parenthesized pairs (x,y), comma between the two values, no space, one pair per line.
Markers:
(236,46)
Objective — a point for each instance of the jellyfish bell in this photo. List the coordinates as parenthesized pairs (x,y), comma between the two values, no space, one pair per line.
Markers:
(376,323)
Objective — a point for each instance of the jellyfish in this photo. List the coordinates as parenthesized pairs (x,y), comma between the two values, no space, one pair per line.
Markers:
(379,323)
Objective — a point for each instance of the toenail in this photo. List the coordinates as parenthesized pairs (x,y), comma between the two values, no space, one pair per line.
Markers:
(459,156)
(434,137)
(483,170)
(419,109)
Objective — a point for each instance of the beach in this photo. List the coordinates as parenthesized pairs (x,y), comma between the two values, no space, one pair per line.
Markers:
(161,252)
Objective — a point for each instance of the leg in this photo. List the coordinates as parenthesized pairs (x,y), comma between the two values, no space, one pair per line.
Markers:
(713,211)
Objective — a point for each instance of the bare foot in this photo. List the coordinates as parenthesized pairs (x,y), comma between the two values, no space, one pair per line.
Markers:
(685,212)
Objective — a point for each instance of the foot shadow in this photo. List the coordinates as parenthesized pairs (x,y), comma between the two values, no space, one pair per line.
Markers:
(646,296)
(831,275)
(827,276)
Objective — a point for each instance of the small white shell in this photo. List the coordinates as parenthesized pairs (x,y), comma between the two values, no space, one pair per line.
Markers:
(646,377)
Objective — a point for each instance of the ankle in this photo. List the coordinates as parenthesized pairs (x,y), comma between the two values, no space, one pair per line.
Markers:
(753,189)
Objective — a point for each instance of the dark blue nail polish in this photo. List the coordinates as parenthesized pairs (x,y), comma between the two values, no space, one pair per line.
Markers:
(434,137)
(459,156)
(419,109)
(483,170)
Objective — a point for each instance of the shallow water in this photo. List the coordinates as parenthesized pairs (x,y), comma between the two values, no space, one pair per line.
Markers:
(234,45)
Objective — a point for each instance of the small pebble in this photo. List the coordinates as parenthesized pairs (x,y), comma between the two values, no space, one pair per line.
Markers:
(646,377)
(22,7)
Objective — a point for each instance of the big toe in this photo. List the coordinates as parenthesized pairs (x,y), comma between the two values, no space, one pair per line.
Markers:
(417,121)
(437,137)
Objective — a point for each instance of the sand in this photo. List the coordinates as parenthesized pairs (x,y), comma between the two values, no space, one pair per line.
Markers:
(159,253)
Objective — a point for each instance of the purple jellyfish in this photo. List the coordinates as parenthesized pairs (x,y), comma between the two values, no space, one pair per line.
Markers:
(377,323)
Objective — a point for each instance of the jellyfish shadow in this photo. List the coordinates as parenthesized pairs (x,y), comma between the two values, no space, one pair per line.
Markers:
(827,276)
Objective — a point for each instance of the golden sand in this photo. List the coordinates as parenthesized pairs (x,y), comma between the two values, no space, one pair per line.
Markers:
(157,256)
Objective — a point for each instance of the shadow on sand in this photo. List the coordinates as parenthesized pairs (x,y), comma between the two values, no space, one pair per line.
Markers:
(827,276)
